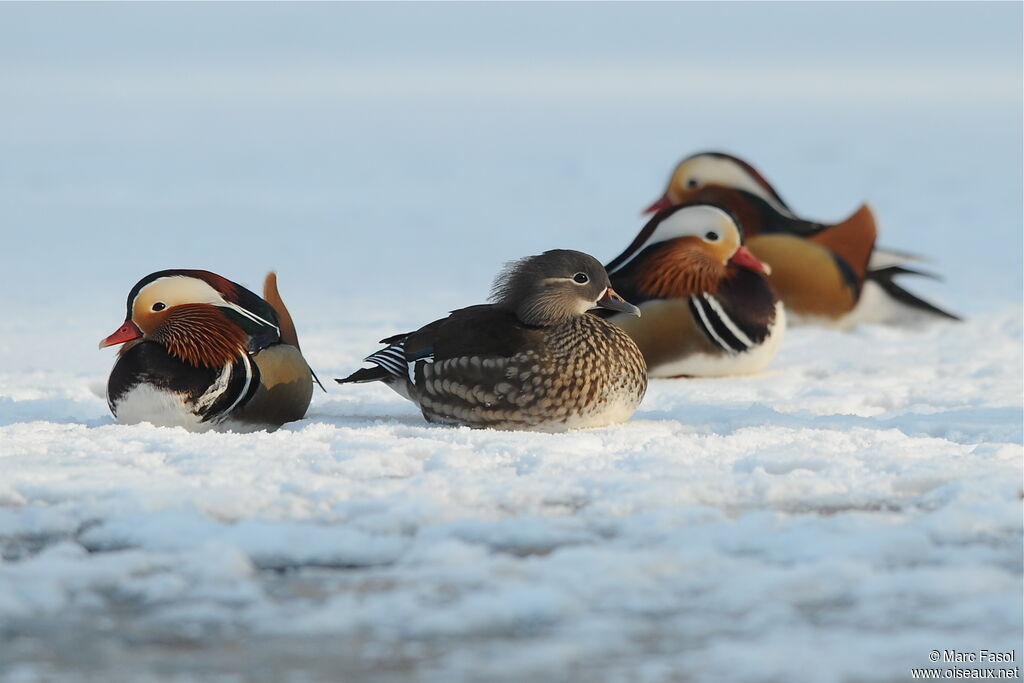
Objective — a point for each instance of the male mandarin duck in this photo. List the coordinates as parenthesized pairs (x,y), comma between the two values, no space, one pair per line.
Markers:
(531,360)
(202,352)
(708,309)
(832,274)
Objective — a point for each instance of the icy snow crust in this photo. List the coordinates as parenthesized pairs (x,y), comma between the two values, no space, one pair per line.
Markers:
(834,519)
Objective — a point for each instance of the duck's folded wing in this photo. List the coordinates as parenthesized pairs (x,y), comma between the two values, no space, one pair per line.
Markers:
(479,367)
(483,330)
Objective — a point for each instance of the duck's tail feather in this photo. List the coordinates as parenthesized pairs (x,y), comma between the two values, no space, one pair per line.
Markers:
(852,240)
(883,257)
(389,363)
(885,278)
(374,374)
(285,323)
(284,318)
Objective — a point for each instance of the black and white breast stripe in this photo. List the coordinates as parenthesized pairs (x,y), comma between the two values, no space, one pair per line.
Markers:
(233,385)
(717,325)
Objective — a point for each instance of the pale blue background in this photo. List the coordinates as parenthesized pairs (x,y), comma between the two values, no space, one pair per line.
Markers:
(390,152)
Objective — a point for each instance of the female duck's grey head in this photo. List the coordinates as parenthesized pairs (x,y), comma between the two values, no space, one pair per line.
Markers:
(553,287)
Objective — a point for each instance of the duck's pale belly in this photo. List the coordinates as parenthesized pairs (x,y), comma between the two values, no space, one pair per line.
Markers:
(874,306)
(159,407)
(162,408)
(619,407)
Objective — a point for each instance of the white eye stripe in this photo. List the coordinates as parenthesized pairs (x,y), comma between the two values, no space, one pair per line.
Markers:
(186,289)
(566,279)
(726,172)
(691,221)
(250,315)
(178,289)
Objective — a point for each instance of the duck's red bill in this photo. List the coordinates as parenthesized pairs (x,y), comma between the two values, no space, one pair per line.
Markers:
(662,203)
(745,258)
(125,333)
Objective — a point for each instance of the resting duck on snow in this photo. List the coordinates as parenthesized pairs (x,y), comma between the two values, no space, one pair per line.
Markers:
(829,274)
(203,352)
(532,360)
(708,309)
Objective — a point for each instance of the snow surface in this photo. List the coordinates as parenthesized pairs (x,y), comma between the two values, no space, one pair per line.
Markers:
(834,518)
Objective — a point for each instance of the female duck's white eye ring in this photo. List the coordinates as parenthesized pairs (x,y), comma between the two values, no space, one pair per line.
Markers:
(159,306)
(580,278)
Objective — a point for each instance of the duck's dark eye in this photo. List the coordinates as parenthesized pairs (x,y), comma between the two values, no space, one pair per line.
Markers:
(580,278)
(692,182)
(711,236)
(159,306)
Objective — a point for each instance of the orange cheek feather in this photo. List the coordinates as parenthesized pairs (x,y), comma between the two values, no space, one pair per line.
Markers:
(201,335)
(678,270)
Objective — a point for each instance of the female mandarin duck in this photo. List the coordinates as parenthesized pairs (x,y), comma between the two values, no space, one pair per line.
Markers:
(532,360)
(202,352)
(833,274)
(708,309)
